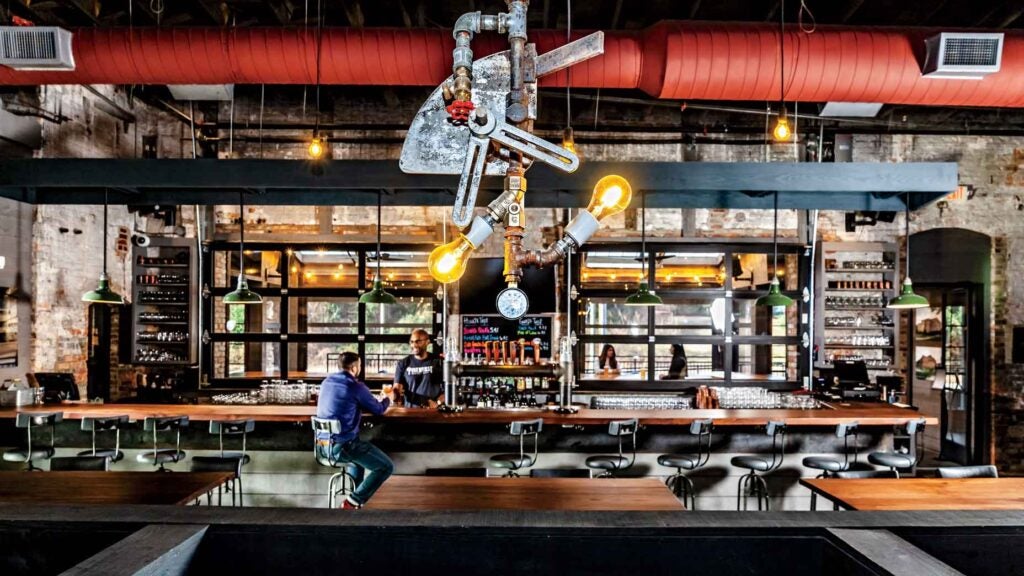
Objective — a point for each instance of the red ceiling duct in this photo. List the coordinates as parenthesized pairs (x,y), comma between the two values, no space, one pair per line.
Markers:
(679,60)
(729,61)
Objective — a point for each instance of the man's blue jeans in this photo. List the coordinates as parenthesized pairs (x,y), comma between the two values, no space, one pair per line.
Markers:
(373,467)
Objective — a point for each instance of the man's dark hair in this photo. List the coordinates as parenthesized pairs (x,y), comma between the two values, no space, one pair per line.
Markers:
(348,360)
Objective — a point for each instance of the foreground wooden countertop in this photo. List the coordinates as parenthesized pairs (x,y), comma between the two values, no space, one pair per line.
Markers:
(440,493)
(867,414)
(107,487)
(921,493)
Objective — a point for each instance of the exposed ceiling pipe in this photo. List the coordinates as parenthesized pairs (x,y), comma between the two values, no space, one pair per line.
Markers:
(677,60)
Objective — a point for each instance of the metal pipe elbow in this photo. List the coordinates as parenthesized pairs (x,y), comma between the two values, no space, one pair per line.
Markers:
(468,22)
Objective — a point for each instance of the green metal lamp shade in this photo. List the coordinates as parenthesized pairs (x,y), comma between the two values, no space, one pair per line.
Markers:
(643,297)
(774,297)
(242,294)
(908,300)
(377,295)
(103,294)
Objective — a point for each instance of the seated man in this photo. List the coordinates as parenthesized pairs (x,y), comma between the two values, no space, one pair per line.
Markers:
(343,398)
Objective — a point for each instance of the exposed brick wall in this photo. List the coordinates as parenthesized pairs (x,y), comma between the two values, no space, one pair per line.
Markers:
(991,164)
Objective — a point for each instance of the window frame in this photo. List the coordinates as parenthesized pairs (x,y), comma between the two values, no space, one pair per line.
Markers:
(728,342)
(288,305)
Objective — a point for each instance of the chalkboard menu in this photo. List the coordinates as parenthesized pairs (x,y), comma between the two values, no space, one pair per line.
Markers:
(479,329)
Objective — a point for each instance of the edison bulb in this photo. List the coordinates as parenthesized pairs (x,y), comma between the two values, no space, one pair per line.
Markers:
(611,196)
(782,132)
(569,141)
(447,263)
(316,148)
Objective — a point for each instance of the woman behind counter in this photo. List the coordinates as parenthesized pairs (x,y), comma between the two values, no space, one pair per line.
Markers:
(607,362)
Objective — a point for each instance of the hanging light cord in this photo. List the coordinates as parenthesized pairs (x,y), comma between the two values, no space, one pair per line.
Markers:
(105,193)
(782,52)
(906,220)
(568,71)
(643,235)
(775,239)
(378,235)
(241,242)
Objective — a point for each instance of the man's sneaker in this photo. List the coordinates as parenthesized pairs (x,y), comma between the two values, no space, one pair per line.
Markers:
(347,504)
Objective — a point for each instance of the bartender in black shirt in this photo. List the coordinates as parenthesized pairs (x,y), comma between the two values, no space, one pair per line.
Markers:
(418,376)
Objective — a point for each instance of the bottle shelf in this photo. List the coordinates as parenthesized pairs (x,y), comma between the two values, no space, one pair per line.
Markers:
(859,346)
(164,269)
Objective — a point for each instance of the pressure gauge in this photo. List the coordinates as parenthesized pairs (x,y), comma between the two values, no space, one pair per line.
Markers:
(513,303)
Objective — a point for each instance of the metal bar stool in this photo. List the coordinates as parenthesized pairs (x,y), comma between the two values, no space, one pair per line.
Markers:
(232,428)
(323,451)
(515,462)
(679,483)
(80,463)
(897,459)
(611,463)
(752,483)
(105,424)
(31,452)
(221,464)
(828,464)
(158,456)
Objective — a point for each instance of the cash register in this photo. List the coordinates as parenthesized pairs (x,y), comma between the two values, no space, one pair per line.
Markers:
(849,380)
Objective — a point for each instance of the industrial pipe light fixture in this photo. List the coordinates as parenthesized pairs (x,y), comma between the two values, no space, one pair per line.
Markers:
(241,294)
(490,104)
(103,294)
(908,299)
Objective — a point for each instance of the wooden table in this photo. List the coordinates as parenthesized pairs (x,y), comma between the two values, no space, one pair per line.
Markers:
(921,493)
(867,414)
(107,487)
(442,493)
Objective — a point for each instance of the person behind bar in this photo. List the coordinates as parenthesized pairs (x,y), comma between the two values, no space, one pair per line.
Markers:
(607,361)
(677,367)
(418,376)
(344,398)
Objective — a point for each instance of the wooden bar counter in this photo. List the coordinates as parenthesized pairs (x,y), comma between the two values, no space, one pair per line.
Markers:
(867,414)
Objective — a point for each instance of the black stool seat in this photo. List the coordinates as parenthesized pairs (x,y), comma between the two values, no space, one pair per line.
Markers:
(684,461)
(752,463)
(23,455)
(80,463)
(825,463)
(110,454)
(512,461)
(891,459)
(608,462)
(987,471)
(161,456)
(215,464)
(239,456)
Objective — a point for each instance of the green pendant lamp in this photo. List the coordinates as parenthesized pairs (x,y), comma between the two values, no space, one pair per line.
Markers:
(241,294)
(775,297)
(643,296)
(103,294)
(907,299)
(377,295)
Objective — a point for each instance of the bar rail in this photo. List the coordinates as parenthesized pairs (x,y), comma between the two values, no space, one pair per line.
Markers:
(865,413)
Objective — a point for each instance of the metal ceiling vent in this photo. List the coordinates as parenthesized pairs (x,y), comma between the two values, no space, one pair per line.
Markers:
(963,55)
(36,48)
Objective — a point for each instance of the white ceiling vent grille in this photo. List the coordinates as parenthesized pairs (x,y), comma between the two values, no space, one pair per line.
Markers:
(963,55)
(36,48)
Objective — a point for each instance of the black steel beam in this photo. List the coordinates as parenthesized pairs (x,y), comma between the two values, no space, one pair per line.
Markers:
(835,186)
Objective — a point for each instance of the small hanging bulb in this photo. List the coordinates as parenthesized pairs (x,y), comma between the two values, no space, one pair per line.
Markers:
(569,141)
(316,147)
(782,132)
